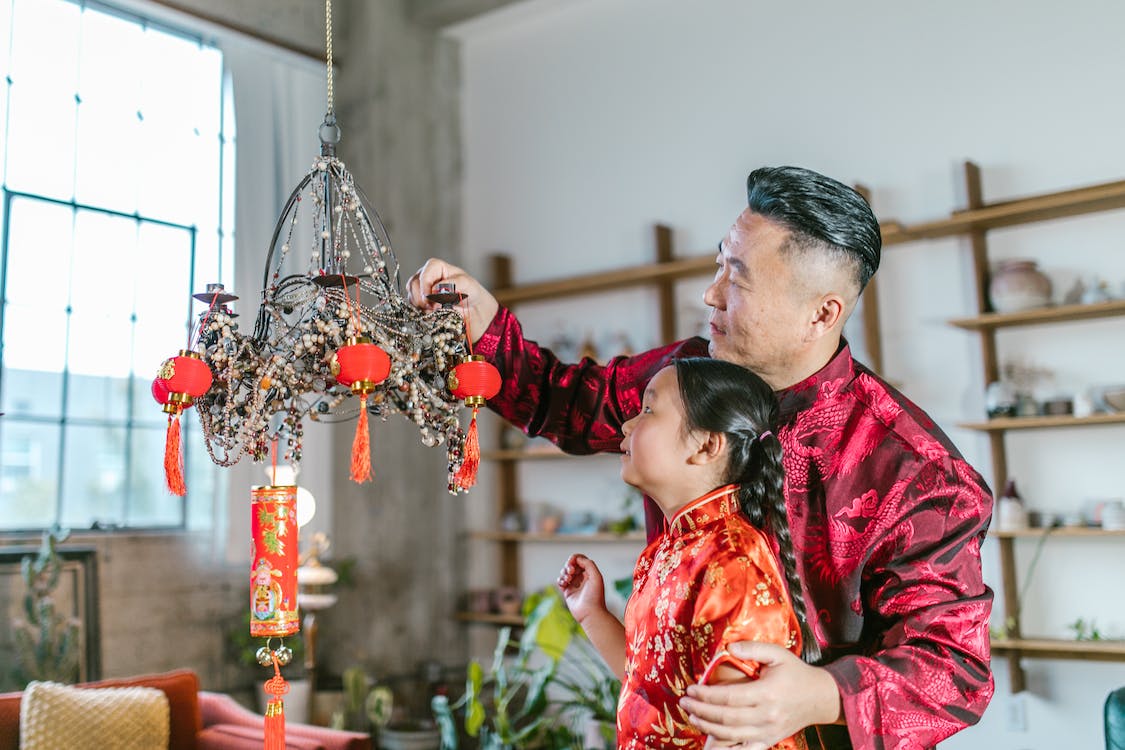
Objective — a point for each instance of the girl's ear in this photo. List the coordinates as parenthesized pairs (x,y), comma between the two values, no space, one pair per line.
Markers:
(712,448)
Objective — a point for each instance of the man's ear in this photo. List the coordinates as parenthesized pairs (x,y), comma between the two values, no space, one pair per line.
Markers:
(829,314)
(713,447)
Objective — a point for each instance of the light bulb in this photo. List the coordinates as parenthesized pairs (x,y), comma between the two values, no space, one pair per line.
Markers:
(306,506)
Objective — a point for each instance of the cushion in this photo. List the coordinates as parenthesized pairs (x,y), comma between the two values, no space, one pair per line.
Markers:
(10,721)
(181,686)
(61,717)
(240,737)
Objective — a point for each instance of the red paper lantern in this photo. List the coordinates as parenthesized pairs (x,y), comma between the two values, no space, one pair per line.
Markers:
(362,366)
(160,390)
(186,377)
(475,381)
(181,379)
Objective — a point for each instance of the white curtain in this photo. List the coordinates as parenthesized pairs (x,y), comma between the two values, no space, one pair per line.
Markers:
(279,104)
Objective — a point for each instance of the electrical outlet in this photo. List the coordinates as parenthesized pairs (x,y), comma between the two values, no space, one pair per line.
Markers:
(1017,713)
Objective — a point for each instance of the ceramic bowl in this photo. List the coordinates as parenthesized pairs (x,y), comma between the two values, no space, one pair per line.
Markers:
(1114,397)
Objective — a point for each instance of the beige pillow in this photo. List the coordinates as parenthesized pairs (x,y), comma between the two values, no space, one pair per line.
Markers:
(61,717)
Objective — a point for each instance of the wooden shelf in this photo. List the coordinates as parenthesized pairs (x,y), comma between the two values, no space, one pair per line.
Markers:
(1057,648)
(1002,424)
(1104,197)
(620,278)
(523,536)
(1058,314)
(490,619)
(1067,531)
(1110,195)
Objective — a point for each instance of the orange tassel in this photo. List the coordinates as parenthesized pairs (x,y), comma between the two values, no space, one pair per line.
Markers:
(361,448)
(276,686)
(467,474)
(174,458)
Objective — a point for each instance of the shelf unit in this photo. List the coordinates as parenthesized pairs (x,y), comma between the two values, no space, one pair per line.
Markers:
(974,222)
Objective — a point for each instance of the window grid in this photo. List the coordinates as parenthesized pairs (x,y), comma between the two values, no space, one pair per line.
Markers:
(137,419)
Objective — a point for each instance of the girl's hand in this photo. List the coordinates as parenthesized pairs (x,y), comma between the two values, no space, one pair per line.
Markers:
(582,587)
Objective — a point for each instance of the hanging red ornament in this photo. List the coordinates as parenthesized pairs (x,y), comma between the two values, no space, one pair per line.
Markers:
(362,366)
(475,381)
(181,379)
(274,722)
(273,592)
(160,390)
(273,573)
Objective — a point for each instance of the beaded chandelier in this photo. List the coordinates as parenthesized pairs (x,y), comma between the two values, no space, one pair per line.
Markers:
(331,298)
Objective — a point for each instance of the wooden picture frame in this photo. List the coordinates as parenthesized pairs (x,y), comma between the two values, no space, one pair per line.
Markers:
(76,595)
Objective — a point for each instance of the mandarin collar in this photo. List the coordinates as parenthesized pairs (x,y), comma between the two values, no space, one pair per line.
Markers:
(716,504)
(802,395)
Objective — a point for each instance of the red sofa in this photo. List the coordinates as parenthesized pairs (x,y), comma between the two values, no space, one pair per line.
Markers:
(200,720)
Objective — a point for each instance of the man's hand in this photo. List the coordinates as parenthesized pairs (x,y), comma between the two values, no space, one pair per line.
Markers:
(788,696)
(482,306)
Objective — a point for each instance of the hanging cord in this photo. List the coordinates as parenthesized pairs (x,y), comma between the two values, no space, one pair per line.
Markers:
(470,455)
(348,301)
(361,443)
(468,328)
(328,50)
(273,462)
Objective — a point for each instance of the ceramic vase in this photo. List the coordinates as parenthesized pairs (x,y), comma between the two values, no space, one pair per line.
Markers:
(1113,516)
(1019,285)
(1011,515)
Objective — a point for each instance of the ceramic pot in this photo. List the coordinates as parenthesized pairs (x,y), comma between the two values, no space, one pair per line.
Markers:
(1113,515)
(1019,285)
(409,738)
(1001,399)
(1011,515)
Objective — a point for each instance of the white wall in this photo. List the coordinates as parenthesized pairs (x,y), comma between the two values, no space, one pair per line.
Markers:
(585,122)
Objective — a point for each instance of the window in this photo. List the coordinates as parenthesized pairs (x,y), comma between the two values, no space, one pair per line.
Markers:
(117,206)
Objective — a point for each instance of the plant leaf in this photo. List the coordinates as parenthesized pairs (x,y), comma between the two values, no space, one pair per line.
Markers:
(536,700)
(474,709)
(550,626)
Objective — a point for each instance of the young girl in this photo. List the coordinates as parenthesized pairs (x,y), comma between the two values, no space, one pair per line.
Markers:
(703,450)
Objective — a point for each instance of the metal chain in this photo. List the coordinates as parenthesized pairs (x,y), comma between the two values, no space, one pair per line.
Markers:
(328,47)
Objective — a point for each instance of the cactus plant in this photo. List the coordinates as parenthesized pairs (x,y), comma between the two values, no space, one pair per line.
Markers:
(47,641)
(366,708)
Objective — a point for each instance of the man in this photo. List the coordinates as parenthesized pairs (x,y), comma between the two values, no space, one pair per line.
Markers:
(886,516)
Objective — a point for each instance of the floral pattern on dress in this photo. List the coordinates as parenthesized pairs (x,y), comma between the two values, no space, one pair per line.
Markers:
(687,608)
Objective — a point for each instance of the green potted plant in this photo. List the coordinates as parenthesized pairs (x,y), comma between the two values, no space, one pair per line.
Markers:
(47,641)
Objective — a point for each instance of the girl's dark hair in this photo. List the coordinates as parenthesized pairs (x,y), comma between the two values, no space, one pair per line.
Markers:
(723,397)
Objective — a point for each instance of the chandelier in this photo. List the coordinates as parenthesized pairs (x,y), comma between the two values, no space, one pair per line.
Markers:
(333,338)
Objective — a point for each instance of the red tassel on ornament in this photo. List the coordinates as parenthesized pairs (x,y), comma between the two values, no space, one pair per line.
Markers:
(467,474)
(173,458)
(276,687)
(361,448)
